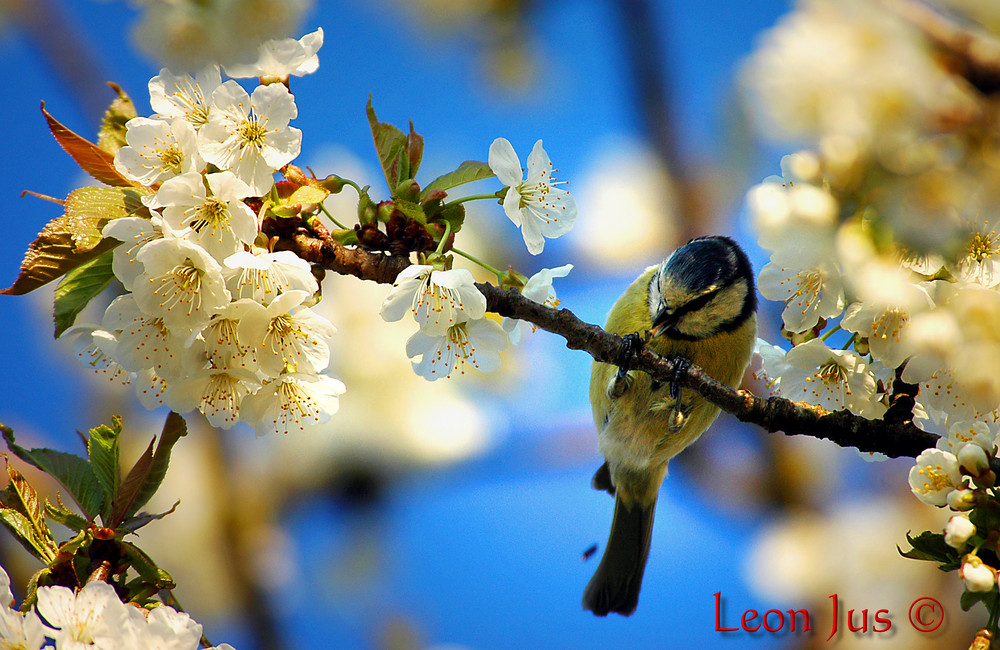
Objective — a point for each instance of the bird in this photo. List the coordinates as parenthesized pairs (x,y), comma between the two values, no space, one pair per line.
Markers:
(699,306)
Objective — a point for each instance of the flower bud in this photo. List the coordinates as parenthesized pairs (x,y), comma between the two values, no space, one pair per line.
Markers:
(977,575)
(973,459)
(962,499)
(957,531)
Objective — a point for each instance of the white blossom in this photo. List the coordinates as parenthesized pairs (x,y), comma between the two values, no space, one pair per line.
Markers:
(833,379)
(216,392)
(96,349)
(93,615)
(144,341)
(260,276)
(219,222)
(181,283)
(810,292)
(539,289)
(173,95)
(158,150)
(773,364)
(134,233)
(287,336)
(437,299)
(223,346)
(966,432)
(935,475)
(249,135)
(150,388)
(980,262)
(20,631)
(534,204)
(293,401)
(476,343)
(280,58)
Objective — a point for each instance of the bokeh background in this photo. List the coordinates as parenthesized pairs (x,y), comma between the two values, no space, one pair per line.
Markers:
(457,514)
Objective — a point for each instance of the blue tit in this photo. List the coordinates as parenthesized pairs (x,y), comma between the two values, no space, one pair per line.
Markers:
(699,307)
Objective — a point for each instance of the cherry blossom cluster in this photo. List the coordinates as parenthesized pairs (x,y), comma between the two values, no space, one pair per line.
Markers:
(957,474)
(212,319)
(884,248)
(882,237)
(450,311)
(93,617)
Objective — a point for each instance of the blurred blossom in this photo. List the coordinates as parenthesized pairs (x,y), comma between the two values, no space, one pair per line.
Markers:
(187,34)
(850,68)
(795,218)
(850,550)
(628,206)
(884,326)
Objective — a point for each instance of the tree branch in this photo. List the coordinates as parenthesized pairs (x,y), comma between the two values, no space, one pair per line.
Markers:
(975,50)
(895,435)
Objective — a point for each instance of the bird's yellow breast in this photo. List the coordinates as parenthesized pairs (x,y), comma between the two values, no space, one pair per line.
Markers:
(634,429)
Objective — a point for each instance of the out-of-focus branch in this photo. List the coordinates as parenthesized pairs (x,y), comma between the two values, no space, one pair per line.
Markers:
(975,50)
(893,436)
(645,49)
(44,22)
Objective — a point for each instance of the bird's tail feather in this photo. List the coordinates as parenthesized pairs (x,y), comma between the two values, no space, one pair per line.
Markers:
(616,583)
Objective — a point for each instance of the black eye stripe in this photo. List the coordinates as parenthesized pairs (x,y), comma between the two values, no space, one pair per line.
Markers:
(697,303)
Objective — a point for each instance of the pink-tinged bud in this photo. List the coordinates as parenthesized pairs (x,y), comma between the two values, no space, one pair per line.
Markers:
(978,576)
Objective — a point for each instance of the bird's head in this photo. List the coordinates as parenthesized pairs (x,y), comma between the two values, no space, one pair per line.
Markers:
(704,288)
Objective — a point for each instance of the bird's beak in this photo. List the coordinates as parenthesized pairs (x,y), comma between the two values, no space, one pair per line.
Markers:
(663,320)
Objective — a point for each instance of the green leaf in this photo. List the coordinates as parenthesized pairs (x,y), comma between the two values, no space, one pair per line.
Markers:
(414,150)
(89,209)
(79,287)
(467,172)
(21,528)
(969,598)
(390,145)
(929,546)
(412,211)
(24,514)
(63,515)
(129,489)
(51,255)
(92,159)
(73,472)
(42,576)
(138,521)
(308,194)
(111,137)
(454,215)
(346,237)
(103,449)
(145,566)
(173,430)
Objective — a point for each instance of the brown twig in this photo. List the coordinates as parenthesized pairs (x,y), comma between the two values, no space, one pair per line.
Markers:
(893,436)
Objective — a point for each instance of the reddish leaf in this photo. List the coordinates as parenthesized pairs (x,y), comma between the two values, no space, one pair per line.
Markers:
(92,159)
(52,255)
